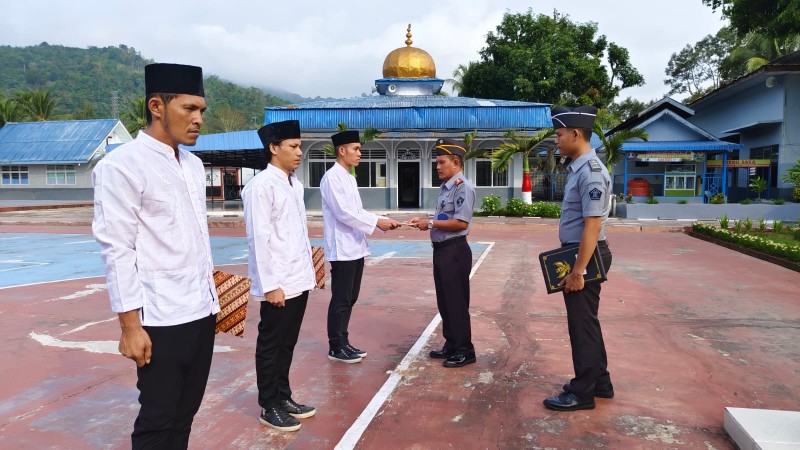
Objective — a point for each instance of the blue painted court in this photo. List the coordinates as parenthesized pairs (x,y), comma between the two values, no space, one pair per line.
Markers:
(29,258)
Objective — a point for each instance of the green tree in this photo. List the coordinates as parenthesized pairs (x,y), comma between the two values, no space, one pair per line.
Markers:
(771,18)
(519,145)
(625,109)
(369,134)
(549,59)
(613,143)
(793,176)
(457,82)
(10,111)
(698,68)
(224,119)
(758,185)
(135,117)
(38,105)
(87,112)
(755,51)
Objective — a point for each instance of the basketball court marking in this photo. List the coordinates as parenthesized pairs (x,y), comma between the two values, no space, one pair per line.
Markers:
(354,433)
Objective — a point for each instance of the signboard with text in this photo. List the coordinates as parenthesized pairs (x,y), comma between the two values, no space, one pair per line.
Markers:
(666,156)
(739,163)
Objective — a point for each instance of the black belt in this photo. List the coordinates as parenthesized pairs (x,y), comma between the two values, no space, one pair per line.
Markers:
(449,242)
(603,243)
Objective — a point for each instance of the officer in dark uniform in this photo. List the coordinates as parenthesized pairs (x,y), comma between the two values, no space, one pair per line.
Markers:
(452,257)
(584,212)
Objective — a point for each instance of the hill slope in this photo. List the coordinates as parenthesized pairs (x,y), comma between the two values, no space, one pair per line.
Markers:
(84,82)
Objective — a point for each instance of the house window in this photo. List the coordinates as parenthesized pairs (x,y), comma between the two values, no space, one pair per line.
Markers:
(14,174)
(318,163)
(484,177)
(769,152)
(60,175)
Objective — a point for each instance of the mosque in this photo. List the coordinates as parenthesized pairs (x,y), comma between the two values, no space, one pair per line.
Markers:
(397,168)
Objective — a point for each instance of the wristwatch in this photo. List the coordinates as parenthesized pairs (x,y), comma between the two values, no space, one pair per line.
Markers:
(430,224)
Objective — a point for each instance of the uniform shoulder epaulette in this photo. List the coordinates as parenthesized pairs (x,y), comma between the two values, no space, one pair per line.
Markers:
(595,165)
(459,181)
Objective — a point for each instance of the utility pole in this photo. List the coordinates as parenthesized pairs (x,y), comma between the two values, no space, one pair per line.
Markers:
(115,104)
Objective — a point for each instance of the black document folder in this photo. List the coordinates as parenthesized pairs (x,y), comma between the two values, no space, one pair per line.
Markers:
(557,264)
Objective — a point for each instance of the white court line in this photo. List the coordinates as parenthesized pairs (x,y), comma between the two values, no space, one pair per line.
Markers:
(378,259)
(80,242)
(85,326)
(354,433)
(50,282)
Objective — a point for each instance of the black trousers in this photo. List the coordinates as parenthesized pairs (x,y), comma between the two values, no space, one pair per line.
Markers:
(345,287)
(171,387)
(451,267)
(277,335)
(589,358)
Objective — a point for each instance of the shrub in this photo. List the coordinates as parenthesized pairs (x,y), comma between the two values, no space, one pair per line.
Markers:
(777,226)
(796,233)
(717,199)
(762,225)
(790,252)
(683,201)
(737,226)
(516,207)
(746,201)
(629,198)
(723,222)
(544,209)
(490,204)
(778,201)
(748,225)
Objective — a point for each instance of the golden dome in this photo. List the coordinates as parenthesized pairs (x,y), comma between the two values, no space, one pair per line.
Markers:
(409,62)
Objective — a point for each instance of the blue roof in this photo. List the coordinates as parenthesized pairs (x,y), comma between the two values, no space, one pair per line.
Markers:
(63,141)
(423,112)
(235,140)
(695,146)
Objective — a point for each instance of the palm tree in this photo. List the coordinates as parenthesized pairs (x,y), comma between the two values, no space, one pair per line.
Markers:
(369,134)
(10,111)
(613,143)
(457,82)
(135,117)
(757,50)
(39,105)
(522,145)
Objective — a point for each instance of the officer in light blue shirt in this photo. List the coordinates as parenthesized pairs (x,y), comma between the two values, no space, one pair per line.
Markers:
(584,213)
(452,257)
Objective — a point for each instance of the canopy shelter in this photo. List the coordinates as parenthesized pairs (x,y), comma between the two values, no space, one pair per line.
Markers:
(234,149)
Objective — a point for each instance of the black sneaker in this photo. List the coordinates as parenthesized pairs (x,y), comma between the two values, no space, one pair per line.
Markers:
(296,410)
(343,355)
(358,352)
(278,419)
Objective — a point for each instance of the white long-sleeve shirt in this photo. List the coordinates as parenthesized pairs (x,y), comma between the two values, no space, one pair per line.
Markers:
(346,224)
(150,221)
(277,235)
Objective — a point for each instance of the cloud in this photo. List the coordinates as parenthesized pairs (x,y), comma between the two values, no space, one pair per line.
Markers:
(320,48)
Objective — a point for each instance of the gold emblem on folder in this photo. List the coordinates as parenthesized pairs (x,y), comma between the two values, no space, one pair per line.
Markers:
(562,269)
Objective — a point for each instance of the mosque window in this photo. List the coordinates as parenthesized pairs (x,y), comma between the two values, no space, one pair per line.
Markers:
(58,174)
(318,163)
(484,177)
(371,172)
(12,175)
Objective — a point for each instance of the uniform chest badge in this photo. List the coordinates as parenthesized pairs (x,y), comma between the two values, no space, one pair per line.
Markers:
(595,194)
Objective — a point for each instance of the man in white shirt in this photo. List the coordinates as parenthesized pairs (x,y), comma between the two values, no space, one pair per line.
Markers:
(346,225)
(281,269)
(150,222)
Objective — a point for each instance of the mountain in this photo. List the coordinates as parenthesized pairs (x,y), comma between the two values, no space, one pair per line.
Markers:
(88,82)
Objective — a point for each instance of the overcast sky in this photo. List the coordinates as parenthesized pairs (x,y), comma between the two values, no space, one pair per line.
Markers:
(336,49)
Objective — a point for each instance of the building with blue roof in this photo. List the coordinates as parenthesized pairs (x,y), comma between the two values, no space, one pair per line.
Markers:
(747,128)
(53,160)
(397,169)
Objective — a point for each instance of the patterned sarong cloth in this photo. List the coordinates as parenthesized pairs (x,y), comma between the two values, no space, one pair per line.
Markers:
(318,258)
(233,292)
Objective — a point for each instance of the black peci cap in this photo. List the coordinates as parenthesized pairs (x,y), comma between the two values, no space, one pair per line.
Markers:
(173,79)
(345,137)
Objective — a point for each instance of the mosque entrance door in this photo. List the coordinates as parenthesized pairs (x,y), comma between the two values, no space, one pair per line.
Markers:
(408,184)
